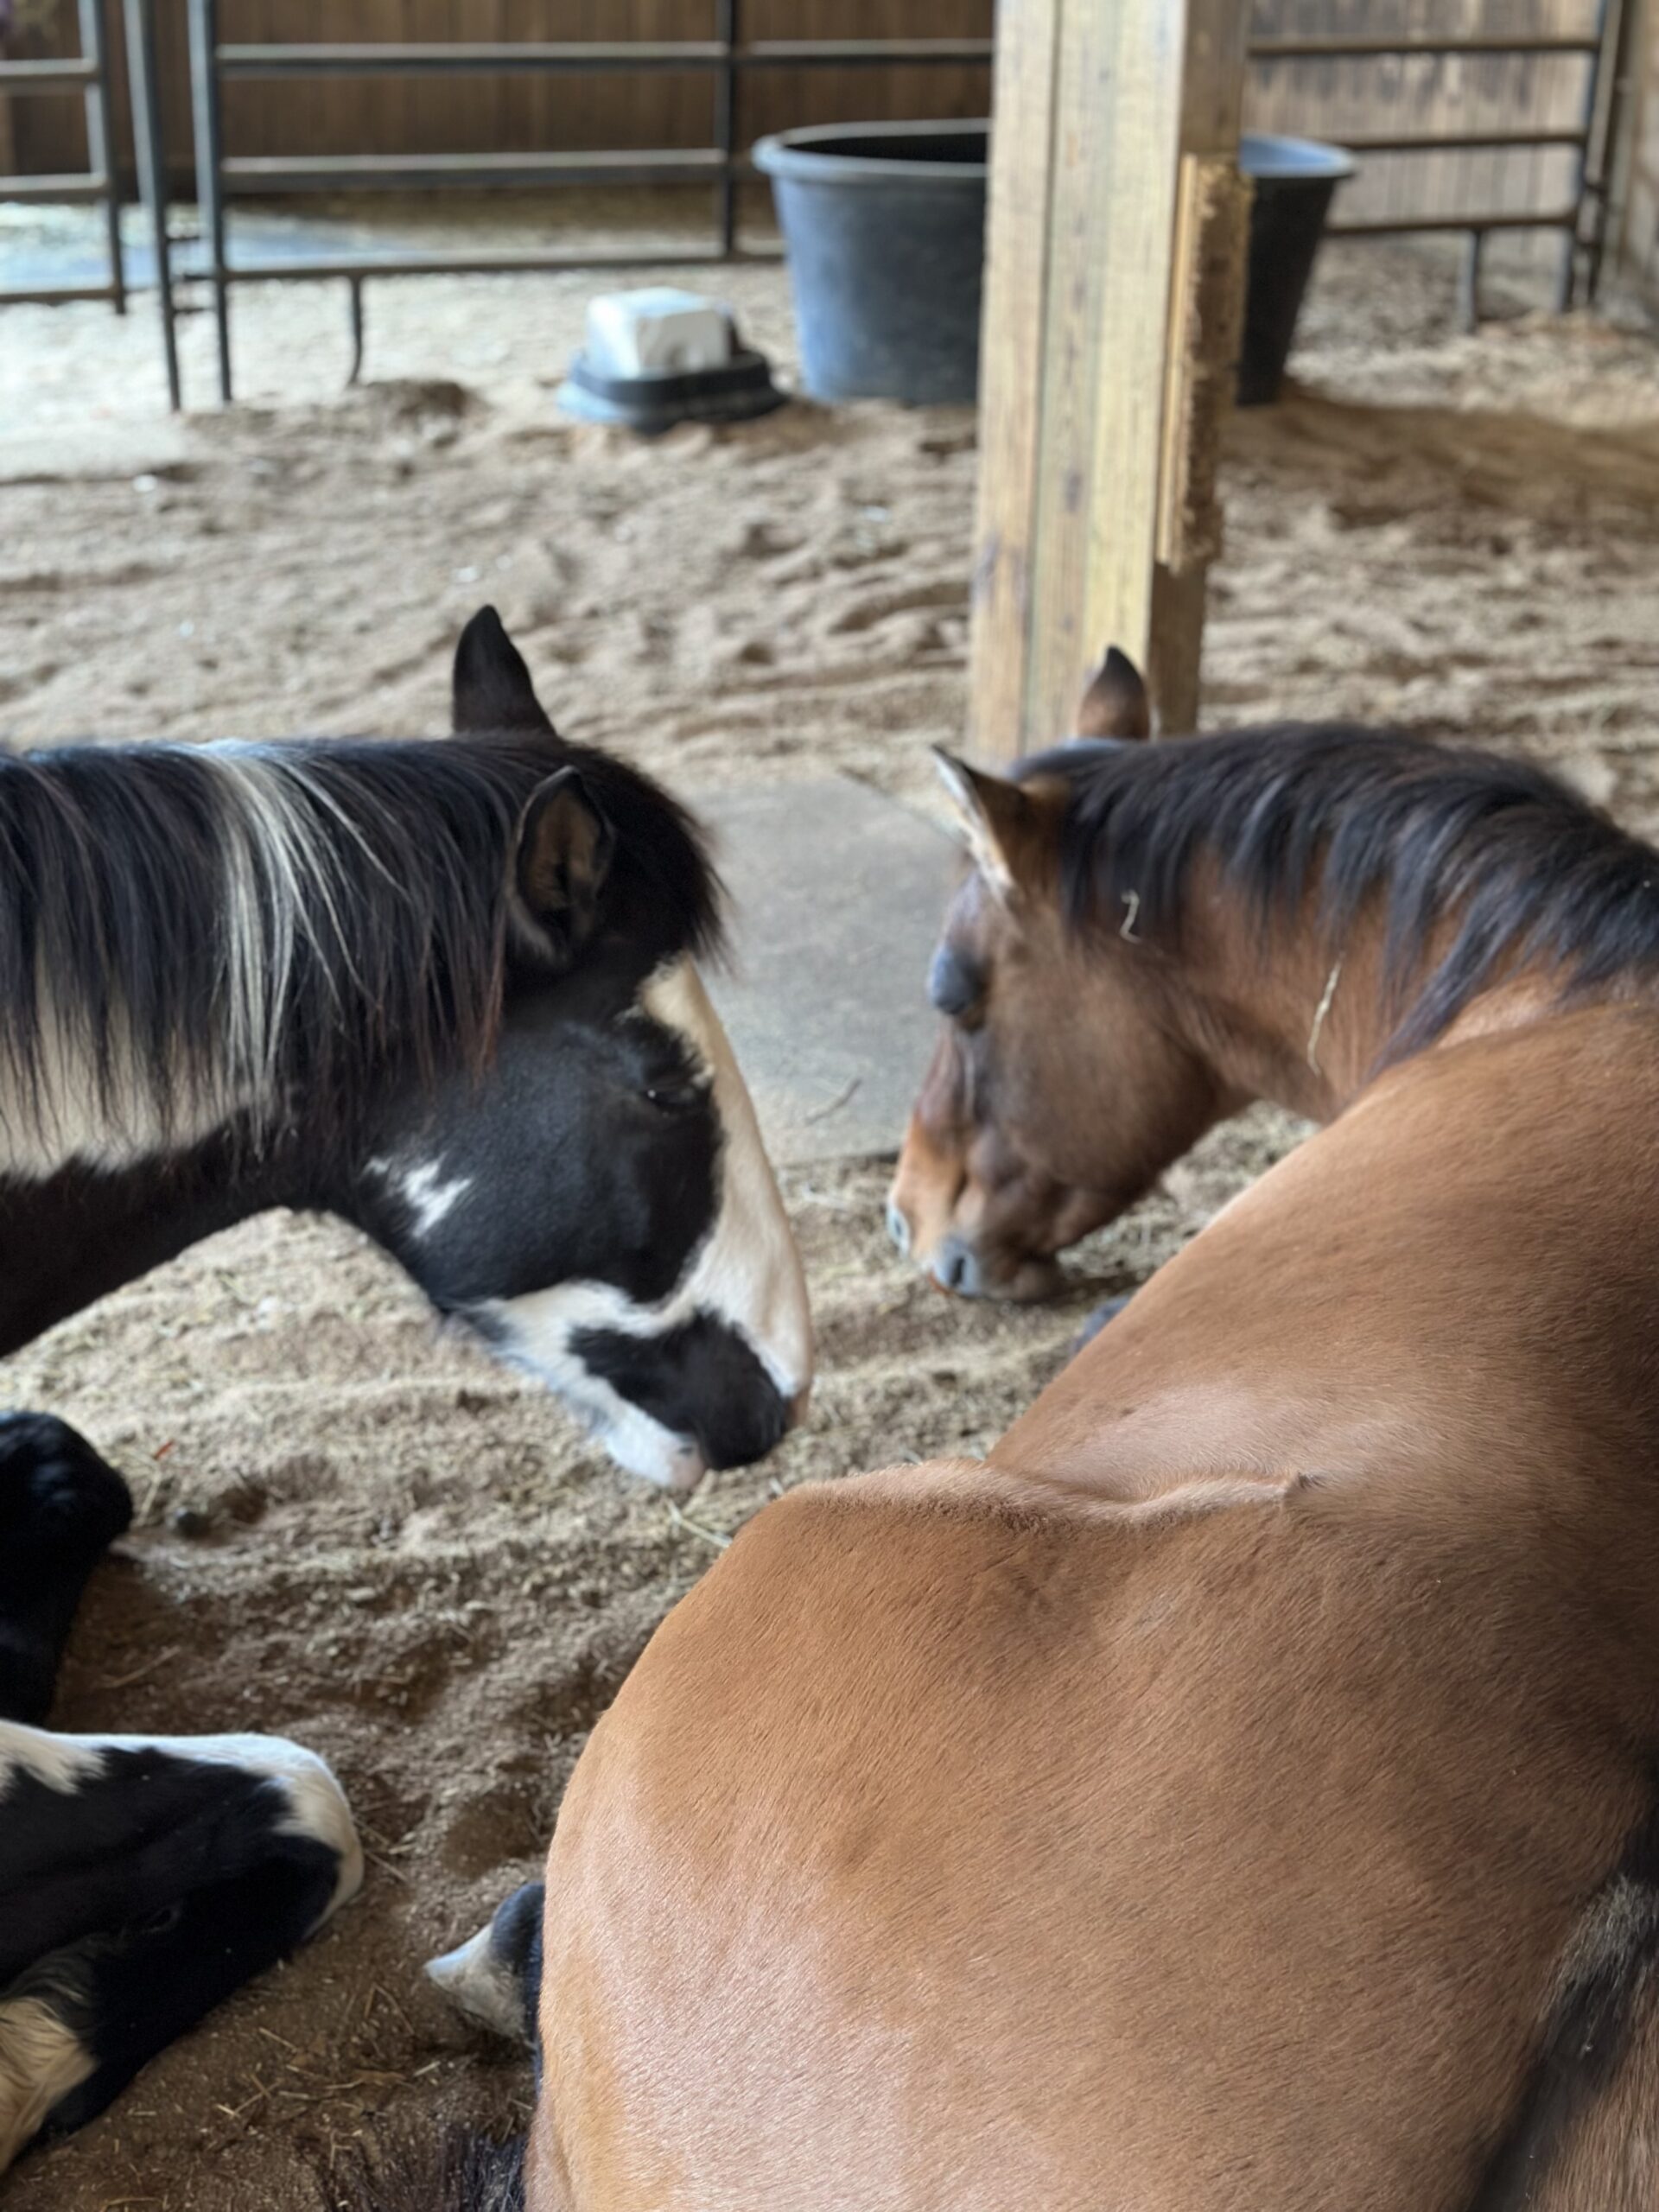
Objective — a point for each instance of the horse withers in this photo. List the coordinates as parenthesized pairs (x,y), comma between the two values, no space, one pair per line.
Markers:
(446,990)
(1243,1789)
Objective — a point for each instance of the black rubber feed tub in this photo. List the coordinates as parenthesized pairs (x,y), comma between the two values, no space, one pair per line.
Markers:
(884,227)
(1294,181)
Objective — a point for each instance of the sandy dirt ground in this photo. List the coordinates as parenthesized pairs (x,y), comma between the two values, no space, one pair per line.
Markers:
(357,1531)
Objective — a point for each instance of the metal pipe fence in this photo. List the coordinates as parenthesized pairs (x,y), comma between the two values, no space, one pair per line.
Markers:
(98,184)
(1565,216)
(727,58)
(87,73)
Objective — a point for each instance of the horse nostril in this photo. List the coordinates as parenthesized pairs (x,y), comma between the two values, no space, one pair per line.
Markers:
(956,1269)
(898,1228)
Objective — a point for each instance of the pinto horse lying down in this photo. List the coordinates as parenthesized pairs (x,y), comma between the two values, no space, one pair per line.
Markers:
(450,992)
(141,1878)
(1241,1792)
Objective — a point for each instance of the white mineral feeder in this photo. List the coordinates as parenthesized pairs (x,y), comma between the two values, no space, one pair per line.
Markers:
(658,356)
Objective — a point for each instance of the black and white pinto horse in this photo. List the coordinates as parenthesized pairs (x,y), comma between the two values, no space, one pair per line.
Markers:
(446,990)
(141,1878)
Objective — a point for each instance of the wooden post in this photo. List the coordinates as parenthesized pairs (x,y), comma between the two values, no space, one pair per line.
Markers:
(1114,285)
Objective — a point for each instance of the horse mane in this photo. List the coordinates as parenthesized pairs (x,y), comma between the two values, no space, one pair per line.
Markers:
(1491,860)
(220,928)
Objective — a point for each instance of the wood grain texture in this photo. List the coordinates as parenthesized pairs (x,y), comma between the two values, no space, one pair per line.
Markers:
(525,113)
(1074,446)
(1318,100)
(1014,327)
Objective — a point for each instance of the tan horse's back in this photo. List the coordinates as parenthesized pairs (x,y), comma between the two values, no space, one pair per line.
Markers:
(968,1842)
(1465,1261)
(917,1869)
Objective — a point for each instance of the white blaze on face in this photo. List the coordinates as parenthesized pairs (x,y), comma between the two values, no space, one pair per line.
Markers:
(746,1272)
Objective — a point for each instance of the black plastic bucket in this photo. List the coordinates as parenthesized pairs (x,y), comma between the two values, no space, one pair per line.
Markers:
(885,228)
(1294,181)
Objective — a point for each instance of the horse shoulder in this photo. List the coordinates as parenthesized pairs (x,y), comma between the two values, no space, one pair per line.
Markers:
(769,1847)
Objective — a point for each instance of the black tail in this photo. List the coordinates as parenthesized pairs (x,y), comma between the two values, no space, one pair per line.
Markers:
(456,2171)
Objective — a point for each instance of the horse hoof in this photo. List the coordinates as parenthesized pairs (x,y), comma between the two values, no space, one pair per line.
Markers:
(495,1978)
(53,1484)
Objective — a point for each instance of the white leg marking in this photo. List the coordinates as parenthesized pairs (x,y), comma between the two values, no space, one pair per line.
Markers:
(480,1987)
(317,1803)
(40,2062)
(60,1763)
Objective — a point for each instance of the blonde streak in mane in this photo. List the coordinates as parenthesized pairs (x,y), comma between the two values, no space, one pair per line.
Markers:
(66,1114)
(279,886)
(297,770)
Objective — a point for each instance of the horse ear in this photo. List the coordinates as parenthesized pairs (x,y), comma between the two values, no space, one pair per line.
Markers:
(492,690)
(563,855)
(999,818)
(1114,701)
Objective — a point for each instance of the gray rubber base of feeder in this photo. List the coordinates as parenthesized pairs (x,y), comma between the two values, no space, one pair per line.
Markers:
(736,393)
(837,898)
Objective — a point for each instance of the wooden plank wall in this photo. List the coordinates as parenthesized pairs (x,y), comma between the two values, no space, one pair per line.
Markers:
(392,115)
(1460,93)
(1312,98)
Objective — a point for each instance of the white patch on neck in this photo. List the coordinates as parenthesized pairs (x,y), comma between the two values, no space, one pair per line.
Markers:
(746,1272)
(421,1186)
(316,1801)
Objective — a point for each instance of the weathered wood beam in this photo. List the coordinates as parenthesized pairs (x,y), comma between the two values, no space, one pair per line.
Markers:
(1116,247)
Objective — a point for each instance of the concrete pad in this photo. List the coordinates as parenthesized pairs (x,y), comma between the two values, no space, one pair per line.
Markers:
(837,895)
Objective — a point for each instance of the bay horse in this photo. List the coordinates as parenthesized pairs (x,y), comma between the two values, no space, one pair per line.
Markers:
(445,990)
(1242,1789)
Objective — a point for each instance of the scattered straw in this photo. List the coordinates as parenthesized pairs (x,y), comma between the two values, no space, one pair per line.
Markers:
(138,1674)
(696,1528)
(842,1097)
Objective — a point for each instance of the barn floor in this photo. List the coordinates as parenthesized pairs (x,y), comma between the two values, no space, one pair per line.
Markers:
(395,1552)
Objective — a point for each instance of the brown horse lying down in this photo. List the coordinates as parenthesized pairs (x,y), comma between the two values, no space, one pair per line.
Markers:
(1240,1791)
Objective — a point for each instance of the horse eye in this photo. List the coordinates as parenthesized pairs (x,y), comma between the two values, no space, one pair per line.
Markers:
(676,1096)
(955,985)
